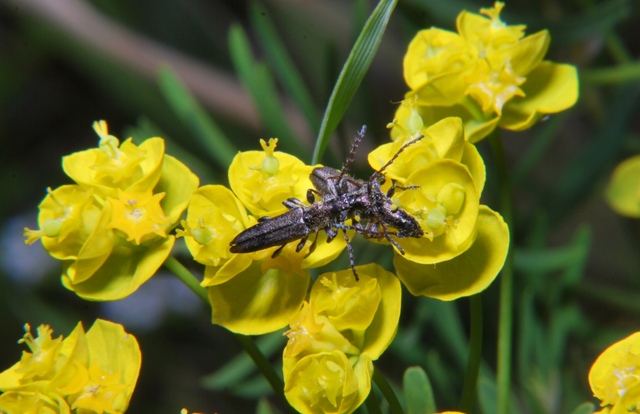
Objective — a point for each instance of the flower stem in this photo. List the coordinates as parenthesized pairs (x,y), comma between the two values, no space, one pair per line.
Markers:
(263,365)
(475,356)
(247,343)
(387,391)
(505,326)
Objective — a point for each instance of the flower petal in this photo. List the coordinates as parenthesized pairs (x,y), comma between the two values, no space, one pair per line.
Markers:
(255,302)
(550,88)
(467,274)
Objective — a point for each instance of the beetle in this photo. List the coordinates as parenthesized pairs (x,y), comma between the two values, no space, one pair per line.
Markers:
(340,198)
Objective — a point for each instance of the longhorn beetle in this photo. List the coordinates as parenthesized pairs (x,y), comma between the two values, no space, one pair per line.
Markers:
(340,198)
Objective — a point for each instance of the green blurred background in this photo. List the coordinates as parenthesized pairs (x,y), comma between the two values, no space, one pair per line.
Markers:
(66,63)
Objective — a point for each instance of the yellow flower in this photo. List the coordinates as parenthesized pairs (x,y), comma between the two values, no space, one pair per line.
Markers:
(262,180)
(335,337)
(94,372)
(114,365)
(112,166)
(623,192)
(259,299)
(138,215)
(614,376)
(26,402)
(489,73)
(466,240)
(249,293)
(327,382)
(469,273)
(214,217)
(111,229)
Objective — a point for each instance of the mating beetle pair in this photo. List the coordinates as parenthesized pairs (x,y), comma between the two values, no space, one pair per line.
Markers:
(340,198)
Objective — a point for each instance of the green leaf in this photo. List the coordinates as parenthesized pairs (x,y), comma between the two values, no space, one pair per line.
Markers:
(598,20)
(265,407)
(257,80)
(196,118)
(242,366)
(283,64)
(584,408)
(418,393)
(570,258)
(352,73)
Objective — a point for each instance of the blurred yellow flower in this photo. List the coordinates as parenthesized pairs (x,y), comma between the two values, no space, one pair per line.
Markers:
(614,376)
(623,192)
(94,372)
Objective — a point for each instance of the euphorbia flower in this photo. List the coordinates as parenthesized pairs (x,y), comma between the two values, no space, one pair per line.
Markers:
(111,229)
(613,377)
(94,372)
(345,326)
(443,177)
(262,180)
(249,293)
(488,73)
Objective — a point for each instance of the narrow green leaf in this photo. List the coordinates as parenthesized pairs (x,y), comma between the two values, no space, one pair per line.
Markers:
(597,20)
(257,80)
(488,396)
(418,393)
(541,143)
(242,366)
(570,258)
(196,118)
(584,408)
(265,407)
(283,64)
(352,73)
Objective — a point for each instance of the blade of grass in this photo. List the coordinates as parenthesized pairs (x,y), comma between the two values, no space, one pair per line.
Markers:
(580,175)
(242,366)
(257,80)
(284,66)
(352,73)
(196,118)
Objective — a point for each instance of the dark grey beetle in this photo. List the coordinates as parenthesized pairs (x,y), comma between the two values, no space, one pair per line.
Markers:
(340,198)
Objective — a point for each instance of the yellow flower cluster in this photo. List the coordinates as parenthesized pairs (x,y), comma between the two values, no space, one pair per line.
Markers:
(468,241)
(615,377)
(110,229)
(92,372)
(254,293)
(340,330)
(489,74)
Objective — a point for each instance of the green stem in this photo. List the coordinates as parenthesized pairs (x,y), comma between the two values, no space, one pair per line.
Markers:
(263,365)
(505,325)
(627,72)
(372,403)
(475,356)
(247,343)
(387,391)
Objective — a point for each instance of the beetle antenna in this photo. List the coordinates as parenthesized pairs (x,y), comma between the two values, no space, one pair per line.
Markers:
(402,148)
(354,148)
